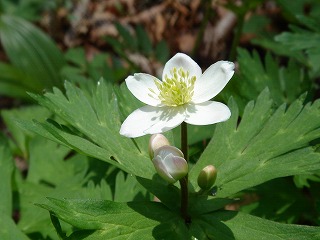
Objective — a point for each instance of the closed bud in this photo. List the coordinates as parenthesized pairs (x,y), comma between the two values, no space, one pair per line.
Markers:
(170,164)
(207,177)
(156,141)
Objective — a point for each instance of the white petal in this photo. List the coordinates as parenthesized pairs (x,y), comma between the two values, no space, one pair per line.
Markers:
(212,81)
(162,170)
(206,113)
(184,61)
(150,120)
(169,118)
(140,85)
(177,167)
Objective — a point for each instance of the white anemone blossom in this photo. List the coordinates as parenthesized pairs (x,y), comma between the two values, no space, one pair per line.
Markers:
(182,96)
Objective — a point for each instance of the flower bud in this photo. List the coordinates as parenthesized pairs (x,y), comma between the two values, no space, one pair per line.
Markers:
(156,141)
(170,164)
(207,177)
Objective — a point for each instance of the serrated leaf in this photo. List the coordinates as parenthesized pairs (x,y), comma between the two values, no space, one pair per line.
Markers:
(112,220)
(285,83)
(95,117)
(303,180)
(306,40)
(266,144)
(42,181)
(151,220)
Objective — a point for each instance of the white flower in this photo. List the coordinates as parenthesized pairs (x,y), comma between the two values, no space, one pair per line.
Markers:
(182,95)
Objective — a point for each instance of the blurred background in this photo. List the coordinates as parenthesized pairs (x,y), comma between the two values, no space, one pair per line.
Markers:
(274,43)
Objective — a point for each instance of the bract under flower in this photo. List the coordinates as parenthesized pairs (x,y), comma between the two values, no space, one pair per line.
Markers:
(183,95)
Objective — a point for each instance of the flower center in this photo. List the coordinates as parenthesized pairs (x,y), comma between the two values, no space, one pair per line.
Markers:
(177,89)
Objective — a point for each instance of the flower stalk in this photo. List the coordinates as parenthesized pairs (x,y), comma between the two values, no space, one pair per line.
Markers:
(184,181)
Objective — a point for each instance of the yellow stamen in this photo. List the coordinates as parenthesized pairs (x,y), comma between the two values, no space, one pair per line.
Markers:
(177,89)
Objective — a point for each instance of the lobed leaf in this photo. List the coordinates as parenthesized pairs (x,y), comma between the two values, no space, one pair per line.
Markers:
(112,220)
(285,83)
(266,144)
(95,122)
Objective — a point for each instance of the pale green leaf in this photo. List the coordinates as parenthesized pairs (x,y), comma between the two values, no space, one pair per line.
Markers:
(285,83)
(128,189)
(266,144)
(49,174)
(9,230)
(95,121)
(112,220)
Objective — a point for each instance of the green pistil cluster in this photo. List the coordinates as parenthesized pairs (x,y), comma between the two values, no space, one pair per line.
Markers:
(177,89)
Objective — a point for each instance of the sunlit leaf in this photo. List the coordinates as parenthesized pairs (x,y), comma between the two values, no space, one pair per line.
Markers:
(95,122)
(266,144)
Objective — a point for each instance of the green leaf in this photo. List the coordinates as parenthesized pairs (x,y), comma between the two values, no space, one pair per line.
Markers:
(95,122)
(166,193)
(127,39)
(144,42)
(278,49)
(274,144)
(151,220)
(13,82)
(45,162)
(21,137)
(292,9)
(9,230)
(76,56)
(303,179)
(308,41)
(108,220)
(280,200)
(231,225)
(32,52)
(162,52)
(200,205)
(6,171)
(285,83)
(128,189)
(28,9)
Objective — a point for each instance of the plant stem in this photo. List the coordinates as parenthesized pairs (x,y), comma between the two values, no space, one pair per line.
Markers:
(184,140)
(184,181)
(184,200)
